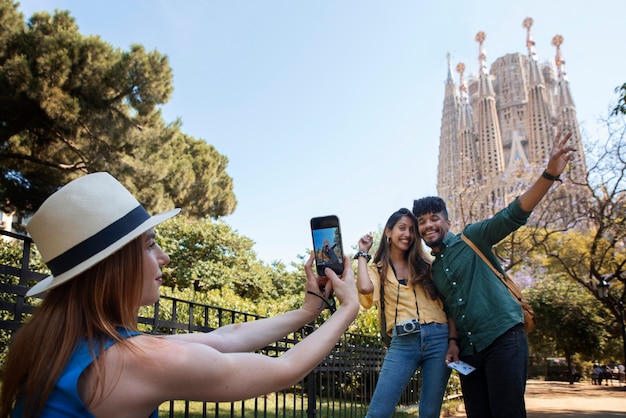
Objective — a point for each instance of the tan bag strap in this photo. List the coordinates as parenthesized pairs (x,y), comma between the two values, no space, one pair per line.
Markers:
(477,251)
(514,290)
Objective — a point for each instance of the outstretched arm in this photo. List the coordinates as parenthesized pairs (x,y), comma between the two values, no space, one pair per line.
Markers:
(156,369)
(559,157)
(198,372)
(255,335)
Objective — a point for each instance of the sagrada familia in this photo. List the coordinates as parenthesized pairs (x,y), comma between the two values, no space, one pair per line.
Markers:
(497,130)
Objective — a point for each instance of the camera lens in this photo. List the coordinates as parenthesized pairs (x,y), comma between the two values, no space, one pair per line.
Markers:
(409,327)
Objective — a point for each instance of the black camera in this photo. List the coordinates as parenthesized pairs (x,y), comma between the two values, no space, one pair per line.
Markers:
(408,327)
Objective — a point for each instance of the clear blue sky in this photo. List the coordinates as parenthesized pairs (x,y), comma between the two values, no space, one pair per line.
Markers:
(334,107)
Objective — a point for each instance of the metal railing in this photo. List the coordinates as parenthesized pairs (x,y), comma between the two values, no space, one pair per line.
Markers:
(340,386)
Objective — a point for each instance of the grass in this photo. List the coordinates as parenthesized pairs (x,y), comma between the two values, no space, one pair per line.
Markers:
(448,409)
(273,405)
(280,405)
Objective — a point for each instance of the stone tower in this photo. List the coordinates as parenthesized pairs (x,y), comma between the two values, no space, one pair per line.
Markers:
(497,130)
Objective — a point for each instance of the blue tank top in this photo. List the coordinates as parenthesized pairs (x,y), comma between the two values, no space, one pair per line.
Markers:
(64,400)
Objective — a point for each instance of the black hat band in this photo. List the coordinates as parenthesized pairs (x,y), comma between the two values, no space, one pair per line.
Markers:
(98,242)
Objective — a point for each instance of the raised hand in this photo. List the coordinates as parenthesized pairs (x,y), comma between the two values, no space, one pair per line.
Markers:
(365,242)
(560,155)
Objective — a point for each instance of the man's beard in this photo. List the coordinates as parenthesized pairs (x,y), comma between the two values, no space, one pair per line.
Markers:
(435,243)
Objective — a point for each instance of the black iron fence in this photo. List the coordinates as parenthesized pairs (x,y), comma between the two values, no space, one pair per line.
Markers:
(340,386)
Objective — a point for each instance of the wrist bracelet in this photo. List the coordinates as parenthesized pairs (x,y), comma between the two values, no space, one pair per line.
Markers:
(362,254)
(550,177)
(455,339)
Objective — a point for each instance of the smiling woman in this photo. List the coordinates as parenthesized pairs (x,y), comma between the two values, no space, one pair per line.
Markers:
(412,314)
(90,360)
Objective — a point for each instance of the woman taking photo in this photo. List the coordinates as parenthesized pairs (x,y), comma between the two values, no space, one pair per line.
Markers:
(81,354)
(421,335)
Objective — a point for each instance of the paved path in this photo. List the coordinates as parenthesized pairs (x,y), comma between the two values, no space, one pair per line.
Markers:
(580,400)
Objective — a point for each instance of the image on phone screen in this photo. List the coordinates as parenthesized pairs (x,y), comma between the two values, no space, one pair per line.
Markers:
(327,244)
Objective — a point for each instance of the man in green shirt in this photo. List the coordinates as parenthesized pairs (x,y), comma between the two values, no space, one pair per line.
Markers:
(488,319)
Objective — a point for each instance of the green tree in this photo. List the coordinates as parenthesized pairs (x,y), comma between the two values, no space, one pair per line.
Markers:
(569,320)
(72,104)
(587,245)
(593,253)
(621,101)
(207,254)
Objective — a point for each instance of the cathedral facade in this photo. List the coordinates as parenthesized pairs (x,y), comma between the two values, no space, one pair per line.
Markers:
(497,130)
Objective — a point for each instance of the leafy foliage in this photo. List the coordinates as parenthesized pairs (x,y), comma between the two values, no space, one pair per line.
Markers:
(208,255)
(621,102)
(570,320)
(11,255)
(72,104)
(593,253)
(214,265)
(585,245)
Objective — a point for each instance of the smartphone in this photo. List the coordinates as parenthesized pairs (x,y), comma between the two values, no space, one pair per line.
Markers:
(327,244)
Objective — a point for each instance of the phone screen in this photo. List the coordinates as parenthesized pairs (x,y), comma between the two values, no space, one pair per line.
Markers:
(327,244)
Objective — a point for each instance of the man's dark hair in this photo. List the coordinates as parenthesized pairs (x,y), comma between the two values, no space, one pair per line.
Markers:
(430,204)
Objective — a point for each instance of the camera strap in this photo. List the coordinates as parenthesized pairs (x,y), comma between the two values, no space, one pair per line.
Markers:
(404,282)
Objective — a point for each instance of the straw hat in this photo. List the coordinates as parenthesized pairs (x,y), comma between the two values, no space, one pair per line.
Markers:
(83,223)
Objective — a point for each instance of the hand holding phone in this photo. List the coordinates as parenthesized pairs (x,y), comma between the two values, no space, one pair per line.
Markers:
(327,244)
(344,289)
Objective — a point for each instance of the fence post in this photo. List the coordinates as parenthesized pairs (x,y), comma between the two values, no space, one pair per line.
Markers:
(311,380)
(311,393)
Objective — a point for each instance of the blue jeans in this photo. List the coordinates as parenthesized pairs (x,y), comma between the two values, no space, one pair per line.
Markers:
(496,388)
(425,349)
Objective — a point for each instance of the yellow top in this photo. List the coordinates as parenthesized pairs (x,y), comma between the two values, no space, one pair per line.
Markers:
(426,309)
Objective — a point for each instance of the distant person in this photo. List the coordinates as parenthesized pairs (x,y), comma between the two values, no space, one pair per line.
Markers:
(603,374)
(414,317)
(489,320)
(329,252)
(81,353)
(575,375)
(622,373)
(596,375)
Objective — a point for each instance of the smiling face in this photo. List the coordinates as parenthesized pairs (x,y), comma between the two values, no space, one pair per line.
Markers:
(153,259)
(402,234)
(433,228)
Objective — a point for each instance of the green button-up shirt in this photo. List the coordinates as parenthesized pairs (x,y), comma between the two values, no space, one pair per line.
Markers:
(473,295)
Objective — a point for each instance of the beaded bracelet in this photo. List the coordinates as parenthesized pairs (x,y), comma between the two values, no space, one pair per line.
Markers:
(362,254)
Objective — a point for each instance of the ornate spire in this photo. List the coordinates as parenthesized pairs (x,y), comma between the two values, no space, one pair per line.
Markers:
(449,57)
(530,42)
(460,68)
(535,76)
(451,90)
(565,97)
(465,110)
(482,55)
(558,60)
(484,84)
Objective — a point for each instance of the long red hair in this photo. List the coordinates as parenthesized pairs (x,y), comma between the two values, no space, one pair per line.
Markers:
(92,305)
